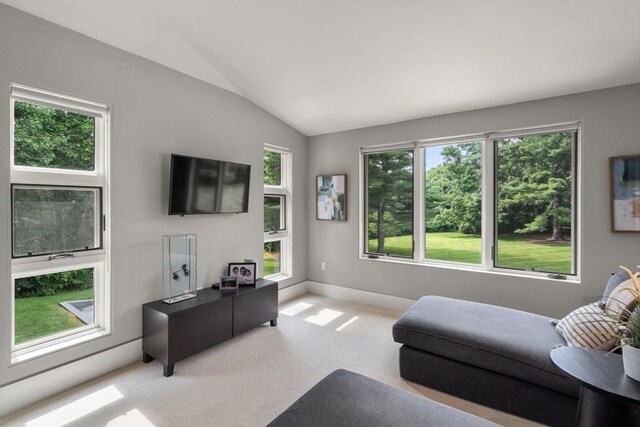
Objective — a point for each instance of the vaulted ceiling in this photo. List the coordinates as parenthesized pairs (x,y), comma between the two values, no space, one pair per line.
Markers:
(326,66)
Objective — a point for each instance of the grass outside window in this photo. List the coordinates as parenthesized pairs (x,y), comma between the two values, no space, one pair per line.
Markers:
(37,317)
(518,251)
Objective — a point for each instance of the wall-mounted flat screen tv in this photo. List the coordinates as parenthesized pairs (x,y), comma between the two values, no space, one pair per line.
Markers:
(206,186)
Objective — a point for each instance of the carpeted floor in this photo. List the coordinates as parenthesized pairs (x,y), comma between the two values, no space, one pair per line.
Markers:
(248,380)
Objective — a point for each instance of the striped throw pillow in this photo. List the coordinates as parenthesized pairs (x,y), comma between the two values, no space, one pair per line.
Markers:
(589,327)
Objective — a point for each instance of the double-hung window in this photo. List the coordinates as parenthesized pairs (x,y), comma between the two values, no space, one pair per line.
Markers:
(277,258)
(59,201)
(496,201)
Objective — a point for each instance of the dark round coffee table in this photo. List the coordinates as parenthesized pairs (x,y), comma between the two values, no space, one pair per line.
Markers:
(607,396)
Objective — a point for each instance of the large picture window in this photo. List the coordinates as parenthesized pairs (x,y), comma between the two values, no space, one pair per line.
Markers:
(277,255)
(495,201)
(59,205)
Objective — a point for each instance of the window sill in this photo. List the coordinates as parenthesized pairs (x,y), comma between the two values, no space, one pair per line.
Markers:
(277,277)
(472,269)
(29,353)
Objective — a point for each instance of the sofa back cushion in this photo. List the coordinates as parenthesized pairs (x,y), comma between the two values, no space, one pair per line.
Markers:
(613,282)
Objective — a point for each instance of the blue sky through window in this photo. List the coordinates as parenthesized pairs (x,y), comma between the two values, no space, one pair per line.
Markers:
(433,156)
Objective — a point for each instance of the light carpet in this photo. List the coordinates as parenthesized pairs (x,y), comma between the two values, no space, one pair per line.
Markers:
(248,380)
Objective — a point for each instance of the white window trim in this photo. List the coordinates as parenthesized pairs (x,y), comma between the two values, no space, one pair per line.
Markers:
(99,259)
(284,236)
(488,195)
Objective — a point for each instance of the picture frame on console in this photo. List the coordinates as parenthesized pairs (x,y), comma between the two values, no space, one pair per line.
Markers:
(624,172)
(228,283)
(244,272)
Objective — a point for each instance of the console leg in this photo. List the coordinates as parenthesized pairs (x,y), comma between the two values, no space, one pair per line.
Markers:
(167,370)
(146,357)
(274,322)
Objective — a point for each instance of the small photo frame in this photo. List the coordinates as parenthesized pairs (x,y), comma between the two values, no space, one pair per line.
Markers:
(331,197)
(625,193)
(244,272)
(228,283)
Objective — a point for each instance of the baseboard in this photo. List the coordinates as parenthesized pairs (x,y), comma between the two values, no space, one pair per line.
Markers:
(292,291)
(356,295)
(33,389)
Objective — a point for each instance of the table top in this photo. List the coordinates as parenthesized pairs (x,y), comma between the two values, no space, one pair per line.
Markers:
(598,370)
(205,296)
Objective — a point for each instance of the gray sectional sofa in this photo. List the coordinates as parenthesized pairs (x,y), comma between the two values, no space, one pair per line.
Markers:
(491,355)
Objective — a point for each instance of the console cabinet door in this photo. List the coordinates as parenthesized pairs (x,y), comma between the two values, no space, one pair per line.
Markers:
(254,308)
(214,322)
(191,331)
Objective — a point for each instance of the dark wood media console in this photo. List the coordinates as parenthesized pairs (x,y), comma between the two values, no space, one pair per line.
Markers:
(173,332)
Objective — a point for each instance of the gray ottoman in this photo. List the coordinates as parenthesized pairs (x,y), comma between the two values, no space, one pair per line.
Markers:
(344,398)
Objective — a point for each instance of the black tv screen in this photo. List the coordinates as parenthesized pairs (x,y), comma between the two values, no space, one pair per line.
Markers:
(206,186)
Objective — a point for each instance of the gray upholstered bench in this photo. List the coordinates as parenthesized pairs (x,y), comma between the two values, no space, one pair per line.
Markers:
(344,398)
(491,355)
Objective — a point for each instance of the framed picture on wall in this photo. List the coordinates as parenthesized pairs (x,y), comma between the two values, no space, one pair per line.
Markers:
(624,173)
(331,197)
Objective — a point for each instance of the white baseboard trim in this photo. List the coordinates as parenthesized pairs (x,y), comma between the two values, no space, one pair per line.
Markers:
(292,291)
(33,389)
(363,297)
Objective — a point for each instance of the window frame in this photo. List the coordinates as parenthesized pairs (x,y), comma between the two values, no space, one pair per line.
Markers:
(283,212)
(489,198)
(493,141)
(97,258)
(98,229)
(365,168)
(284,236)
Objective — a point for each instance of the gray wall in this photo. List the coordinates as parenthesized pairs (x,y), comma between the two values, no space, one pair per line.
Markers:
(611,126)
(155,111)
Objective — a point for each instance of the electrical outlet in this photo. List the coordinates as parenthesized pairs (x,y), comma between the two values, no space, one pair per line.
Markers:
(323,266)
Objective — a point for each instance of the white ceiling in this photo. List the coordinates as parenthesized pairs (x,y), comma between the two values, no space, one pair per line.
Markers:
(326,66)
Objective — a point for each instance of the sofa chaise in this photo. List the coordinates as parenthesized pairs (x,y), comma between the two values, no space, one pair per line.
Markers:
(494,356)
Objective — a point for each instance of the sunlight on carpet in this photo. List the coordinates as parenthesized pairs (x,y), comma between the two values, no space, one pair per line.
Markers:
(77,409)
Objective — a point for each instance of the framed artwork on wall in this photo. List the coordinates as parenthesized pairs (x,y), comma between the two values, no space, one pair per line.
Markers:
(624,172)
(331,197)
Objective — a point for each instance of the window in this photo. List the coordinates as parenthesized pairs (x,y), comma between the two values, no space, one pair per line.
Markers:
(453,202)
(534,202)
(59,202)
(389,182)
(277,212)
(495,201)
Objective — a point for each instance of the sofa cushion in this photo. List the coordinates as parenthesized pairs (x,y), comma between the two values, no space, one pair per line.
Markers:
(503,340)
(344,398)
(613,282)
(623,299)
